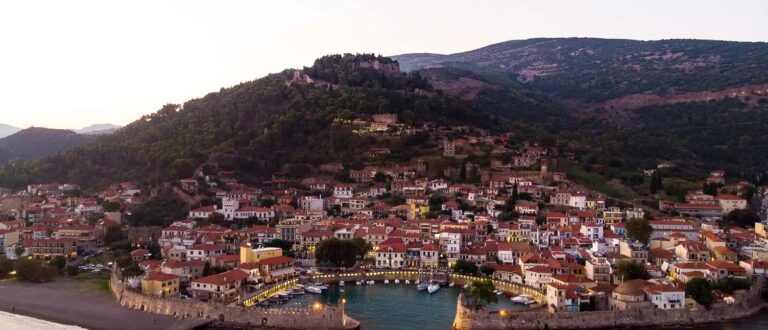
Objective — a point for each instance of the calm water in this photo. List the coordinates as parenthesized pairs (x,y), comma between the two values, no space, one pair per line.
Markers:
(402,307)
(394,306)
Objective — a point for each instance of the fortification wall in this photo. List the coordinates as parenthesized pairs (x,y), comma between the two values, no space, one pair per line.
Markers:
(325,318)
(747,303)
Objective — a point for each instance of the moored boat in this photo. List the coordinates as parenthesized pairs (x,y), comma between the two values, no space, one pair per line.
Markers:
(433,287)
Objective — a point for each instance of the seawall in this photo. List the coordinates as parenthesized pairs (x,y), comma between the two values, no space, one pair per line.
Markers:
(747,303)
(324,318)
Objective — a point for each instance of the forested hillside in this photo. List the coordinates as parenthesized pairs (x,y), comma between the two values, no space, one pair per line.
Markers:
(258,126)
(35,142)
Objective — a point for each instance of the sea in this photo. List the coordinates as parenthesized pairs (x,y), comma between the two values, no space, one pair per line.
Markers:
(9,321)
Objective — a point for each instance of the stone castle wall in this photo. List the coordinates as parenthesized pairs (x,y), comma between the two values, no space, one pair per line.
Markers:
(326,318)
(747,303)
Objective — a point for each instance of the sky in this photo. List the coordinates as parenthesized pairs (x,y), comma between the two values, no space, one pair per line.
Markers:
(69,64)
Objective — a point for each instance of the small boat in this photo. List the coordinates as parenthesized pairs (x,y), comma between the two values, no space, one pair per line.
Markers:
(321,285)
(313,289)
(498,293)
(417,282)
(298,292)
(407,282)
(371,282)
(452,284)
(359,283)
(433,287)
(422,286)
(263,304)
(466,286)
(386,281)
(523,299)
(341,290)
(397,281)
(341,283)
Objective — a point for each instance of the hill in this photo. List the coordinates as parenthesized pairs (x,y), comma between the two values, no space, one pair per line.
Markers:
(6,130)
(701,102)
(98,129)
(592,71)
(259,127)
(35,142)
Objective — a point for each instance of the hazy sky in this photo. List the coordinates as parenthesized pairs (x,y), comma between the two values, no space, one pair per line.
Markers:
(68,64)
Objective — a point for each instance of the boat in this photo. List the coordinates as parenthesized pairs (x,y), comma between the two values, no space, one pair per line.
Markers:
(321,285)
(359,282)
(422,286)
(313,289)
(523,299)
(371,282)
(341,283)
(407,282)
(386,281)
(263,304)
(433,287)
(397,281)
(297,291)
(452,284)
(466,286)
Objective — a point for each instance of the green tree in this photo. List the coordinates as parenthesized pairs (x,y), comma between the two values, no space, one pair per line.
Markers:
(133,270)
(72,270)
(730,284)
(59,262)
(286,246)
(482,291)
(743,218)
(465,267)
(336,253)
(6,266)
(700,290)
(639,229)
(656,182)
(629,270)
(113,233)
(34,271)
(19,250)
(207,269)
(487,270)
(215,218)
(362,246)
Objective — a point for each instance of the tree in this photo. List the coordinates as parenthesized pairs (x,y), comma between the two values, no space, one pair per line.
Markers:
(113,233)
(465,267)
(215,218)
(19,250)
(700,290)
(742,218)
(72,270)
(487,269)
(656,182)
(730,284)
(639,229)
(630,270)
(134,270)
(58,262)
(286,246)
(482,291)
(6,266)
(515,196)
(34,271)
(207,269)
(362,246)
(336,253)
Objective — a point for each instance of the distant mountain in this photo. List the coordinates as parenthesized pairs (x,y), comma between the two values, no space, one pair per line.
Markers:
(98,129)
(597,71)
(35,142)
(6,130)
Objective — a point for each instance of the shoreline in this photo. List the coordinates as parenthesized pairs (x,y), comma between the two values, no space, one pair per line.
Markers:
(55,302)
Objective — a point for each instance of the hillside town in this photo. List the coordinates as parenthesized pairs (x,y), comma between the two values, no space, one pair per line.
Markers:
(517,221)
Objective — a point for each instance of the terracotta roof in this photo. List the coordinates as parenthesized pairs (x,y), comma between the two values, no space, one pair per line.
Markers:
(224,278)
(631,288)
(279,260)
(158,276)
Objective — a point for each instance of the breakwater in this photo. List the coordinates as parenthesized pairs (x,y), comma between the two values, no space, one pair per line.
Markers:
(746,303)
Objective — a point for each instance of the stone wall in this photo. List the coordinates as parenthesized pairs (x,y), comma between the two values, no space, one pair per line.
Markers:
(326,318)
(747,303)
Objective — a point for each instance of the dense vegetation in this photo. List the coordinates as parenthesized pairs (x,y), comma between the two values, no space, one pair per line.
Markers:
(594,70)
(36,142)
(254,128)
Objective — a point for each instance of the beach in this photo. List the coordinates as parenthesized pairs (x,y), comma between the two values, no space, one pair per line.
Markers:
(65,304)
